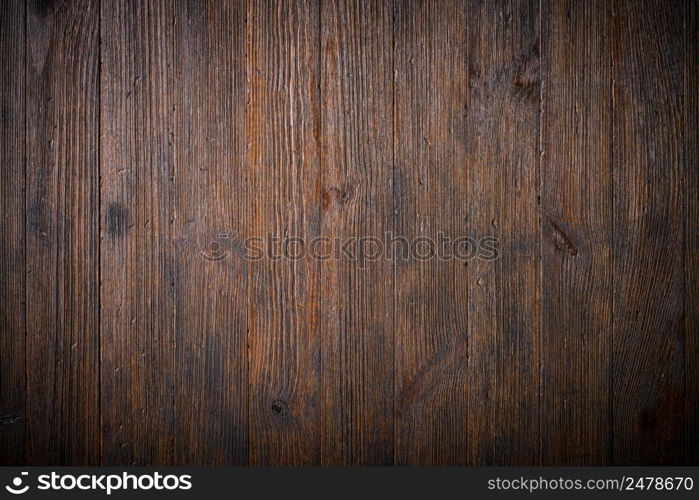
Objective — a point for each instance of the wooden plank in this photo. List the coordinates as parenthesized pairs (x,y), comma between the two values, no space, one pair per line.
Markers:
(283,126)
(504,294)
(691,275)
(210,227)
(648,348)
(576,204)
(430,185)
(137,306)
(142,143)
(12,243)
(62,233)
(357,291)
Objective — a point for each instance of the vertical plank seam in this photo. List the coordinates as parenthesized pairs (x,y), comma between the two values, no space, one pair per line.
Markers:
(540,185)
(24,240)
(393,217)
(59,298)
(317,265)
(141,194)
(173,259)
(612,154)
(243,10)
(467,49)
(321,421)
(685,208)
(58,326)
(98,196)
(467,55)
(250,173)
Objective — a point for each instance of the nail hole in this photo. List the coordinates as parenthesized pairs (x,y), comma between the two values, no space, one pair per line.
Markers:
(280,408)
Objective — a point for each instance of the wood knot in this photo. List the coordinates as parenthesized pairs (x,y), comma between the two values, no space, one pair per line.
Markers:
(280,408)
(526,81)
(347,195)
(341,196)
(528,74)
(561,239)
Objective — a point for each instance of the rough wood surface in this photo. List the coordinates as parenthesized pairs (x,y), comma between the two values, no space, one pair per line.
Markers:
(357,200)
(283,126)
(144,142)
(690,165)
(429,186)
(62,232)
(12,245)
(136,293)
(504,301)
(649,209)
(210,220)
(576,210)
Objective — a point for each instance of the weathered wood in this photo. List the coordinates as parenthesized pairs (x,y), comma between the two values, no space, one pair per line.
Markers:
(690,165)
(283,127)
(576,205)
(210,194)
(62,190)
(143,142)
(430,186)
(12,242)
(357,200)
(648,350)
(136,265)
(503,188)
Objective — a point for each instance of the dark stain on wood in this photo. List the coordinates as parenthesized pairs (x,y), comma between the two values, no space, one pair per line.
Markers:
(527,79)
(280,407)
(134,332)
(117,220)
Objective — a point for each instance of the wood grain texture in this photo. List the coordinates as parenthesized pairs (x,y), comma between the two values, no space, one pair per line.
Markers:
(136,266)
(283,127)
(12,243)
(690,164)
(210,194)
(357,201)
(62,95)
(576,206)
(504,303)
(430,198)
(648,349)
(142,143)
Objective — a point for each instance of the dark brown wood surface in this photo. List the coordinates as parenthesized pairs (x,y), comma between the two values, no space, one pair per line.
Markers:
(283,126)
(576,209)
(502,130)
(143,142)
(13,422)
(62,203)
(357,199)
(690,165)
(210,203)
(649,210)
